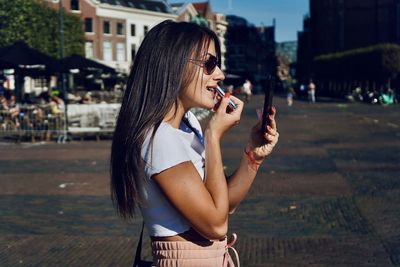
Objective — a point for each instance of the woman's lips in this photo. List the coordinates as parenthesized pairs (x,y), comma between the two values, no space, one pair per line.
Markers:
(212,90)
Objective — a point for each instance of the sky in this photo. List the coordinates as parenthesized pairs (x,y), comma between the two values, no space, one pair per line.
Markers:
(288,14)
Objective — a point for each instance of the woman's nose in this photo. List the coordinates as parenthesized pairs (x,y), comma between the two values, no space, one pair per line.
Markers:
(218,74)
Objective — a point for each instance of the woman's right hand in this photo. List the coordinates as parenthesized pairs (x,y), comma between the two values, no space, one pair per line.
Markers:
(222,121)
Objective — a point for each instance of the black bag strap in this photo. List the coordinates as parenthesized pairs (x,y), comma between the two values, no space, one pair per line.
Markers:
(138,256)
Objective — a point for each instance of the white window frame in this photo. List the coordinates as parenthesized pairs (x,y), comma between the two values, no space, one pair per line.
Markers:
(107,51)
(89,49)
(121,52)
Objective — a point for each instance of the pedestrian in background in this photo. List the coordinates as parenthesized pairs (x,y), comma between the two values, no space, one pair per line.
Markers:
(311,91)
(9,105)
(290,94)
(162,161)
(247,86)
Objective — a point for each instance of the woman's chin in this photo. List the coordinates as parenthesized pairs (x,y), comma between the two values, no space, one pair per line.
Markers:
(207,105)
(210,106)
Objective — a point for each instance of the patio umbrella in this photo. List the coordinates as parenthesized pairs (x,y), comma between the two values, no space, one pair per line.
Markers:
(22,56)
(6,65)
(26,61)
(83,64)
(232,76)
(233,79)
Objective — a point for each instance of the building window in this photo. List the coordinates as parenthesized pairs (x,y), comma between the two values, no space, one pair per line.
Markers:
(74,5)
(120,28)
(89,49)
(145,29)
(40,82)
(120,52)
(88,25)
(133,30)
(107,51)
(133,51)
(106,27)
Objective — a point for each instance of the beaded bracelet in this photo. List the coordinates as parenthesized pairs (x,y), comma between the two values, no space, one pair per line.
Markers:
(254,164)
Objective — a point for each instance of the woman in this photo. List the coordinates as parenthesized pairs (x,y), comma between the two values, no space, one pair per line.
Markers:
(160,159)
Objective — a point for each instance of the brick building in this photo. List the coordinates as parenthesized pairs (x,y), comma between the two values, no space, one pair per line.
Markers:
(339,25)
(221,27)
(202,14)
(184,11)
(304,52)
(250,50)
(205,11)
(115,29)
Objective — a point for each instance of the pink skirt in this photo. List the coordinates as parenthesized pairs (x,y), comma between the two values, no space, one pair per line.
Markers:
(199,254)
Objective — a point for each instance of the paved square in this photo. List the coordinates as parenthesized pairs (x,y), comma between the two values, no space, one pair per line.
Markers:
(328,196)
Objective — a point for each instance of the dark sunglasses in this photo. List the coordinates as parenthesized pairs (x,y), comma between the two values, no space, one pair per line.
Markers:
(208,65)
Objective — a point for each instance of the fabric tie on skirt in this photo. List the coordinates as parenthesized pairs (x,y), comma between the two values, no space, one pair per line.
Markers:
(228,261)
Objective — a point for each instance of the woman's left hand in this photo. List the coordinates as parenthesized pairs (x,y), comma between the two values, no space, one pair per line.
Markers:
(261,145)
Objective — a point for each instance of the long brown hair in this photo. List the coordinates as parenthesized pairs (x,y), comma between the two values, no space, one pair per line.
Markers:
(158,75)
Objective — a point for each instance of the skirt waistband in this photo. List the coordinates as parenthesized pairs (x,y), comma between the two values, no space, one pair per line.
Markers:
(193,254)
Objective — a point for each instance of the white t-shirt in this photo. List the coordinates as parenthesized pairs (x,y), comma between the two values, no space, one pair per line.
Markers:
(170,147)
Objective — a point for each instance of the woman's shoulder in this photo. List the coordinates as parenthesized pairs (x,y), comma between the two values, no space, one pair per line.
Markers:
(164,133)
(163,150)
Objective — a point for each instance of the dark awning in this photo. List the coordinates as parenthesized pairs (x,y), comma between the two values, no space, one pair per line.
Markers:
(21,55)
(6,65)
(83,64)
(232,76)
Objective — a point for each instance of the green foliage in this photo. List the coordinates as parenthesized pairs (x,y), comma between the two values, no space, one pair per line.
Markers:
(199,20)
(378,62)
(38,25)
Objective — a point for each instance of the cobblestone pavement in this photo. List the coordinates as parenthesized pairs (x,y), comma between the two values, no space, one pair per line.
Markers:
(328,196)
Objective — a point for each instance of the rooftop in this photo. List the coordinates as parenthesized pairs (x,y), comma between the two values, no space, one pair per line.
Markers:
(201,7)
(156,6)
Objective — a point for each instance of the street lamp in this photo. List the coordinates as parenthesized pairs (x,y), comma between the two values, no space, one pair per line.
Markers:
(63,138)
(61,16)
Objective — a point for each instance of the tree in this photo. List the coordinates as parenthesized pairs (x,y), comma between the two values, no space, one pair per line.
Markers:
(37,25)
(380,63)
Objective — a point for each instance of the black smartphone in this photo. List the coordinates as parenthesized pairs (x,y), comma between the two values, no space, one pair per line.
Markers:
(268,95)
